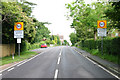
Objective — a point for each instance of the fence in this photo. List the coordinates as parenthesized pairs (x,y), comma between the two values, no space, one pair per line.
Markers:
(7,49)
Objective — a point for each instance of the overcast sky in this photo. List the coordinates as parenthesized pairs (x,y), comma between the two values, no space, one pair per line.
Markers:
(54,11)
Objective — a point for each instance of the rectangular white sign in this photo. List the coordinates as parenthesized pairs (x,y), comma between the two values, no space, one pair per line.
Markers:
(18,40)
(101,31)
(19,34)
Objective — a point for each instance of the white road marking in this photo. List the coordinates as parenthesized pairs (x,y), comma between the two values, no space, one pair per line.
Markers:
(22,63)
(100,66)
(103,68)
(60,54)
(90,60)
(58,61)
(0,74)
(11,69)
(12,66)
(109,72)
(56,74)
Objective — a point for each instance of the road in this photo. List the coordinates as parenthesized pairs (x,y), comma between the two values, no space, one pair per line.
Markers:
(58,62)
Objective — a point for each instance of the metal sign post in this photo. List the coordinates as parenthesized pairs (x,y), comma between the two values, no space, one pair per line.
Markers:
(102,45)
(19,49)
(101,25)
(18,33)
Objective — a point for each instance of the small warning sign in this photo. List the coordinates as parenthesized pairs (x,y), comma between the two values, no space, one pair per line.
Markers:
(18,26)
(101,24)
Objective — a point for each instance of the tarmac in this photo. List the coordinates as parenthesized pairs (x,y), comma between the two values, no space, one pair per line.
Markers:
(114,68)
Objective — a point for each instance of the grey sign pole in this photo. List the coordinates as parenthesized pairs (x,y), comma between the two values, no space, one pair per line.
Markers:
(19,49)
(102,45)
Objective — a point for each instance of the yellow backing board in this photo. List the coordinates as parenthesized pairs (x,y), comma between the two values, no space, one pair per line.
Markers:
(101,24)
(18,26)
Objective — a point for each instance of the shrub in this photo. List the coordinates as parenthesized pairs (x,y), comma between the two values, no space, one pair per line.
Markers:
(110,45)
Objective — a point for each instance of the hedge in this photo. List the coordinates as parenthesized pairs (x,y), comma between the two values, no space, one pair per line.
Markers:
(110,45)
(24,46)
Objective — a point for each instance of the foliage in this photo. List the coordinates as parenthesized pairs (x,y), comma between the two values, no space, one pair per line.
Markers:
(55,40)
(21,12)
(109,57)
(85,17)
(73,38)
(24,55)
(65,42)
(113,14)
(41,31)
(13,12)
(110,45)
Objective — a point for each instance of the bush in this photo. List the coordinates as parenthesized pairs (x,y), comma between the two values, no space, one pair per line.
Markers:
(27,46)
(110,45)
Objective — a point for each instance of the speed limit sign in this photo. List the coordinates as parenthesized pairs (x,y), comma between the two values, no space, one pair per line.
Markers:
(18,26)
(101,24)
(18,30)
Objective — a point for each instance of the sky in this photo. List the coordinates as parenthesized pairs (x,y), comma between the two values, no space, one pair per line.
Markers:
(54,11)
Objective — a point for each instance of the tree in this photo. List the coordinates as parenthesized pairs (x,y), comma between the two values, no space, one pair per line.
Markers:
(85,17)
(73,38)
(55,39)
(41,31)
(20,12)
(65,42)
(11,13)
(113,14)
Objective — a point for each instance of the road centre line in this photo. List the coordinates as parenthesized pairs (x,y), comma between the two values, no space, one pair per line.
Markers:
(11,69)
(56,74)
(60,54)
(58,61)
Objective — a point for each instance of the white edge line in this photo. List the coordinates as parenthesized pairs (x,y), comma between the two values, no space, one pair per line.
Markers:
(90,60)
(56,73)
(109,72)
(22,61)
(12,66)
(11,69)
(100,66)
(103,68)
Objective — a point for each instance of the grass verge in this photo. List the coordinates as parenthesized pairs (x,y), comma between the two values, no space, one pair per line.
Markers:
(24,55)
(96,52)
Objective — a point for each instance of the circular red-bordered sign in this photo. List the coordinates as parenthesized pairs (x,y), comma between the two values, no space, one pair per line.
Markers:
(19,26)
(101,24)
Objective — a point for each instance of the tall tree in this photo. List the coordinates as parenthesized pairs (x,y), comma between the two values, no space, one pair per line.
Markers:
(12,12)
(73,38)
(113,14)
(85,18)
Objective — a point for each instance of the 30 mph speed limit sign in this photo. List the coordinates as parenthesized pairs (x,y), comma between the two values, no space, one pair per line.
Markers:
(101,24)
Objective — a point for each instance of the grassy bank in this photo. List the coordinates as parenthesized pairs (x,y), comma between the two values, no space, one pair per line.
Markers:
(96,52)
(24,55)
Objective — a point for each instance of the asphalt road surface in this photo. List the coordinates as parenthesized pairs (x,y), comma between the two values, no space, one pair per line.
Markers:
(57,62)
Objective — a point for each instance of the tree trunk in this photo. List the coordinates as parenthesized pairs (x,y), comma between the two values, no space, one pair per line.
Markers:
(95,34)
